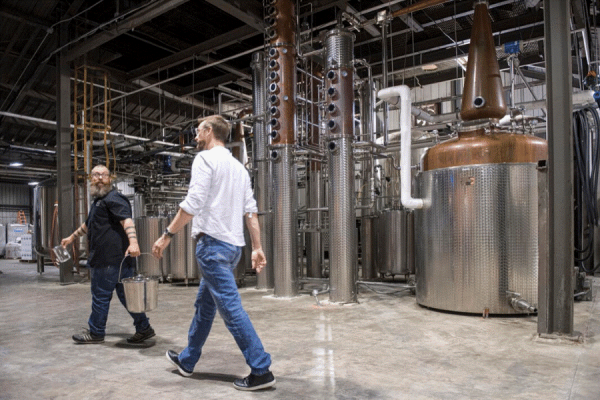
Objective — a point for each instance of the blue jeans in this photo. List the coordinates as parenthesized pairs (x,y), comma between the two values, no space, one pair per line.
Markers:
(218,290)
(104,281)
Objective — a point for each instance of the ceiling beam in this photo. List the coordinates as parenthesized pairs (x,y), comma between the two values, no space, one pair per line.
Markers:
(213,44)
(251,14)
(48,97)
(39,65)
(209,83)
(26,18)
(369,28)
(153,10)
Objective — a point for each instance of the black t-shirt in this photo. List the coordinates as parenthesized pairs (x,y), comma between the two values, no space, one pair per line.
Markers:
(106,237)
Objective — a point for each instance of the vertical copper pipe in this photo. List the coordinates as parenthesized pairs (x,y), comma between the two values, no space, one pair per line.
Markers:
(282,61)
(482,95)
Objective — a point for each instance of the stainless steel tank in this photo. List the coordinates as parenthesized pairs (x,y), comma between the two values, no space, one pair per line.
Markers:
(245,262)
(2,239)
(177,268)
(44,199)
(368,248)
(192,263)
(478,237)
(392,242)
(148,230)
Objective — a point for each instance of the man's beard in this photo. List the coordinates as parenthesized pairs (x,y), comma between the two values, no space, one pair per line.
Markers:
(200,145)
(100,190)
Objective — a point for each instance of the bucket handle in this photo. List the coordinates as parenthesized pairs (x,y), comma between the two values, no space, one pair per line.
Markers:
(122,261)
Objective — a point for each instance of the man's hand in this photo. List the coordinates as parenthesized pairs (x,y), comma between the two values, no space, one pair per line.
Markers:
(133,250)
(259,261)
(160,245)
(67,241)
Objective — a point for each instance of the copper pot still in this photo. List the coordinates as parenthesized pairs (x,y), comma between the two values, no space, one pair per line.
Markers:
(483,104)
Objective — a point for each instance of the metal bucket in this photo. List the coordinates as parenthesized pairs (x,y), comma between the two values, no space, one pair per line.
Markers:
(141,293)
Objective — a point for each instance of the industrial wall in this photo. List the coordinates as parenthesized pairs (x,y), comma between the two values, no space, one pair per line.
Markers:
(14,198)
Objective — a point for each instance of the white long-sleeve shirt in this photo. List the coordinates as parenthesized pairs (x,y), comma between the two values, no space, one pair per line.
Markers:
(219,196)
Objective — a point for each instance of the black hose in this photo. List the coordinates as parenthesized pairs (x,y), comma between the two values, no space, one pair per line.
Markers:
(586,141)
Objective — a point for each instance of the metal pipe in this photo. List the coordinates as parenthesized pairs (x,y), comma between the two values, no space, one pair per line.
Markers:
(511,62)
(384,78)
(403,92)
(522,305)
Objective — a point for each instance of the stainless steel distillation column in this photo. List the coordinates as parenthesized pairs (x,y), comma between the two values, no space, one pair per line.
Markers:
(343,257)
(266,278)
(282,110)
(367,192)
(315,188)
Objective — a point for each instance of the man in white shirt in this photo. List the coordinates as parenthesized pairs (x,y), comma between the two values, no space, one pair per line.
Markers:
(219,199)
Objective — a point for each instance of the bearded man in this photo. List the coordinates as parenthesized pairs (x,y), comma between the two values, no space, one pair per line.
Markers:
(111,237)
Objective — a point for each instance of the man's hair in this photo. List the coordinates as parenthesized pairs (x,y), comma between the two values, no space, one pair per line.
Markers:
(219,125)
(102,166)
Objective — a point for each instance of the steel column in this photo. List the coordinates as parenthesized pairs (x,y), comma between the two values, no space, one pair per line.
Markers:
(343,271)
(556,275)
(63,153)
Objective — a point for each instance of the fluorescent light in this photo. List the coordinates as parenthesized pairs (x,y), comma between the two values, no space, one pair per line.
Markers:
(33,183)
(16,164)
(429,67)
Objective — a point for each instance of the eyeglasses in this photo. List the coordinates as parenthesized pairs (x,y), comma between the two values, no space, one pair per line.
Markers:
(100,175)
(200,129)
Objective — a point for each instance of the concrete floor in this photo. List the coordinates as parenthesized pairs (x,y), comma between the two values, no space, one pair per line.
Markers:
(385,347)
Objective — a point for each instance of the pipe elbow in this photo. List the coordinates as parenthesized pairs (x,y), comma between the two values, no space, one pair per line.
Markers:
(394,93)
(412,203)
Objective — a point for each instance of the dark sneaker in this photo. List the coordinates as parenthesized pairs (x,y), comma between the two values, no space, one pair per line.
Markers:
(139,337)
(88,338)
(174,358)
(255,382)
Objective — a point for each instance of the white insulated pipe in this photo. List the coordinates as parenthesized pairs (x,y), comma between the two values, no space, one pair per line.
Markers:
(391,95)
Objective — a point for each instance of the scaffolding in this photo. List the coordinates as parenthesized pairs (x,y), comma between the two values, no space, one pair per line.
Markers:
(91,123)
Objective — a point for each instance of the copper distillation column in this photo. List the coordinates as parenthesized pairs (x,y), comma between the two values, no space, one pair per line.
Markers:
(280,16)
(339,81)
(477,236)
(265,279)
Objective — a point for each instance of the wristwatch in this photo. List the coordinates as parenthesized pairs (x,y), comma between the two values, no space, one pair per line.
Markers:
(168,234)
